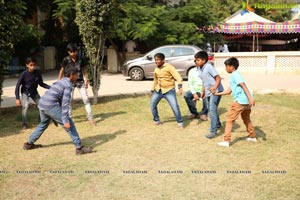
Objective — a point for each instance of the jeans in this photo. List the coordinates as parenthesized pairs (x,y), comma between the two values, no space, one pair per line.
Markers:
(55,114)
(25,105)
(233,114)
(170,96)
(212,105)
(85,98)
(188,96)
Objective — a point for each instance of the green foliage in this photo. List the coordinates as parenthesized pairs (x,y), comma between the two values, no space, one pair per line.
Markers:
(64,9)
(92,18)
(11,21)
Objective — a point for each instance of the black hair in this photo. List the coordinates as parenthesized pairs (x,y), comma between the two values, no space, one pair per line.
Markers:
(30,59)
(233,62)
(70,69)
(72,47)
(160,56)
(202,55)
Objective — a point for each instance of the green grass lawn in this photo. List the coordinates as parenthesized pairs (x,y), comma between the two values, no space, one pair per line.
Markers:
(135,160)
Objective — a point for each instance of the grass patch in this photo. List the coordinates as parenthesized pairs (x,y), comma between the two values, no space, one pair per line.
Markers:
(136,160)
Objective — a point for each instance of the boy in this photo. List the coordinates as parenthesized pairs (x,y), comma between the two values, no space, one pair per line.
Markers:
(55,105)
(212,84)
(165,75)
(194,94)
(28,81)
(243,101)
(82,83)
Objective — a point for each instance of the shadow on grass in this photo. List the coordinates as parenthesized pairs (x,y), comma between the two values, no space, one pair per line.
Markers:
(259,134)
(92,141)
(100,117)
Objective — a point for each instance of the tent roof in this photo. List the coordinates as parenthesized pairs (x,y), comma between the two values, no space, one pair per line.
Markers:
(244,16)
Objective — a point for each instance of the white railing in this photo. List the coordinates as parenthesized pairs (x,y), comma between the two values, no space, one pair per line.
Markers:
(277,62)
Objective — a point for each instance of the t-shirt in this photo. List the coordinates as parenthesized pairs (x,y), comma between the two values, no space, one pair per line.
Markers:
(79,64)
(207,76)
(194,80)
(238,93)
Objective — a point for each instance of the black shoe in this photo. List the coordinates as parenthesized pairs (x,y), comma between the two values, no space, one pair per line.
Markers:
(84,150)
(211,135)
(55,122)
(28,146)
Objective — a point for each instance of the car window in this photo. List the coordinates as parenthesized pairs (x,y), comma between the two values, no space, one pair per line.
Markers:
(183,51)
(165,50)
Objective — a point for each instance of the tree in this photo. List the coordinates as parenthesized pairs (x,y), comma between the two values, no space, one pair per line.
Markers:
(93,18)
(10,25)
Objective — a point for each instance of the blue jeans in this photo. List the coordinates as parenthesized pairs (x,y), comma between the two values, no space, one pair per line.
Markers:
(55,114)
(188,96)
(212,105)
(170,96)
(25,105)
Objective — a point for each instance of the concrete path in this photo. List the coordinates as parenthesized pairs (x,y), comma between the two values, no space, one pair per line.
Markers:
(116,84)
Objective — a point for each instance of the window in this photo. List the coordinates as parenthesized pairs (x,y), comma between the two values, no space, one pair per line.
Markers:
(183,51)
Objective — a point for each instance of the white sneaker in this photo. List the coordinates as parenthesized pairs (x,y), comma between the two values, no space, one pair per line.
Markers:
(223,144)
(251,139)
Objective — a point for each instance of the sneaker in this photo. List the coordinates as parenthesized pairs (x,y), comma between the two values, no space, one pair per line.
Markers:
(181,125)
(223,144)
(158,123)
(211,135)
(204,118)
(251,139)
(84,150)
(28,146)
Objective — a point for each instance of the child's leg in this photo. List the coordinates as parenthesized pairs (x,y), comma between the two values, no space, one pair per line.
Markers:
(25,105)
(232,115)
(247,121)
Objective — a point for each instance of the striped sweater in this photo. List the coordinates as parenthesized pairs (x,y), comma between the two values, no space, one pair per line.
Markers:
(59,95)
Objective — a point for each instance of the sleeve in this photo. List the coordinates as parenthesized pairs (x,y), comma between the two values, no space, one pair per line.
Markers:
(212,71)
(18,85)
(191,81)
(155,81)
(41,82)
(176,75)
(66,105)
(64,62)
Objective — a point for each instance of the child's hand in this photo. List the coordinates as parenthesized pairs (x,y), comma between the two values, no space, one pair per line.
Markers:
(180,91)
(252,102)
(18,102)
(67,126)
(196,97)
(212,90)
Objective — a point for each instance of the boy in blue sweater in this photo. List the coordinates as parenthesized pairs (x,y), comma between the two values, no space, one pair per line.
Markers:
(55,105)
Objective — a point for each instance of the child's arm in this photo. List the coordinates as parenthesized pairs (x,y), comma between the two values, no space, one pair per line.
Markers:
(226,92)
(217,83)
(250,99)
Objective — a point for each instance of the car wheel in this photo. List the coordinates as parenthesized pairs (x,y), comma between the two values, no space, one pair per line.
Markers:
(136,74)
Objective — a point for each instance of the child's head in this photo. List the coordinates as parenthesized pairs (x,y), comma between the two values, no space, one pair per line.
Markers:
(232,62)
(30,64)
(201,58)
(72,72)
(72,49)
(159,59)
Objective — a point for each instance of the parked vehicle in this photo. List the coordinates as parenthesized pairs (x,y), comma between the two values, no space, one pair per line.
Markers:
(180,56)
